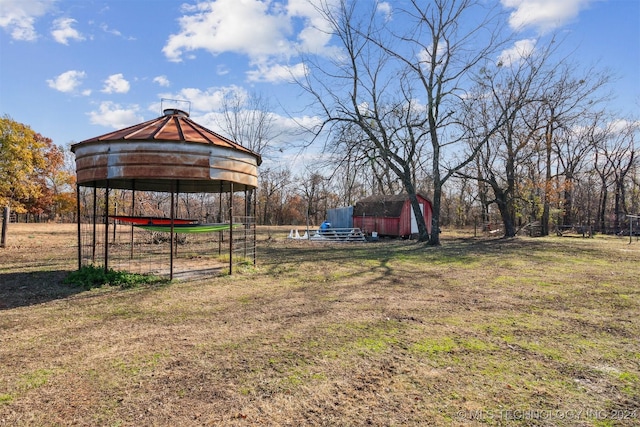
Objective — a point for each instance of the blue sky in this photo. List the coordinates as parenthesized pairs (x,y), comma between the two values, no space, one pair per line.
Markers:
(77,69)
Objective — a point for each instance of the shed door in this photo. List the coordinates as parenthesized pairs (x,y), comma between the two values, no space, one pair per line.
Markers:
(414,222)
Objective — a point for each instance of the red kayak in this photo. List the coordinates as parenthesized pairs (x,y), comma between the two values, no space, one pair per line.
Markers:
(151,220)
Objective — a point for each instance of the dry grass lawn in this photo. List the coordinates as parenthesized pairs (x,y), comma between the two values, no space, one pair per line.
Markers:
(527,331)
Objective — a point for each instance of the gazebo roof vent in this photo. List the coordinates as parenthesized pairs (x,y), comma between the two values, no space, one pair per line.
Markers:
(175,112)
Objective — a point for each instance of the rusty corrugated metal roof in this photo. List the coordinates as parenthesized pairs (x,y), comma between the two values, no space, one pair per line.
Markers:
(383,205)
(175,126)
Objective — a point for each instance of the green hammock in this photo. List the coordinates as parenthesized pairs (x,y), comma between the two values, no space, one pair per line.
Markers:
(188,228)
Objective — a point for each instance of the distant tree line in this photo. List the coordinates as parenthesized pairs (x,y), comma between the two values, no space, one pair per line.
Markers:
(595,180)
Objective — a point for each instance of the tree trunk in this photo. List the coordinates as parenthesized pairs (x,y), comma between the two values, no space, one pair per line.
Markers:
(616,208)
(567,216)
(434,238)
(507,212)
(5,223)
(423,234)
(601,210)
(482,195)
(546,210)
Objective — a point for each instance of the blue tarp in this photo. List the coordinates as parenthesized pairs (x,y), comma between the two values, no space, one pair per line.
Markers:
(341,217)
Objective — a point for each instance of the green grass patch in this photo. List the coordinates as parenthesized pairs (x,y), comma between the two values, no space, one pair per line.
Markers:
(91,276)
(375,344)
(136,365)
(477,345)
(434,346)
(35,379)
(629,377)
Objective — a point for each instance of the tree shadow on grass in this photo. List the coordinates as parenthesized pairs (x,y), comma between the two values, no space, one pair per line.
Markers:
(453,250)
(31,288)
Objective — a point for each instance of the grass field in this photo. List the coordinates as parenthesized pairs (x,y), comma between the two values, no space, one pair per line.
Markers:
(526,331)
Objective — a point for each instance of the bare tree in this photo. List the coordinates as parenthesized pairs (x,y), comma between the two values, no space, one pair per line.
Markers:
(400,87)
(634,190)
(358,166)
(504,106)
(565,103)
(615,157)
(273,184)
(574,147)
(248,120)
(313,188)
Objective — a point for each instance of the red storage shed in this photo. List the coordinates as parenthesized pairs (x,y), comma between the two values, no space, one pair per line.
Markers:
(390,215)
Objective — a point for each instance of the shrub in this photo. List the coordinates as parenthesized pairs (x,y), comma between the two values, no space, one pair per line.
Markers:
(91,276)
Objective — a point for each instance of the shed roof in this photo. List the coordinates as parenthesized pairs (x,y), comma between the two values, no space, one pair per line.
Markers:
(382,205)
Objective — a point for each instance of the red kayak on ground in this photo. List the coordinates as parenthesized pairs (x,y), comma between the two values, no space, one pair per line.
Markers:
(151,220)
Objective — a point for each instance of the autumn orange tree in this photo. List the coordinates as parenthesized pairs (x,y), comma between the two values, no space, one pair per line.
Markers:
(20,157)
(56,194)
(32,177)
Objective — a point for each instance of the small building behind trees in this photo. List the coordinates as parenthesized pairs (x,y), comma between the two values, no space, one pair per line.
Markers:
(390,215)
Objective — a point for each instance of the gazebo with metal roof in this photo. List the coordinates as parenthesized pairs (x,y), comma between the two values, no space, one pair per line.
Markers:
(169,154)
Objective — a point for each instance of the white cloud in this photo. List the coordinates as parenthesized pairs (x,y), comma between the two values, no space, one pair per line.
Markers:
(519,51)
(302,8)
(287,131)
(222,70)
(68,81)
(386,9)
(116,83)
(113,115)
(62,31)
(205,101)
(545,15)
(212,121)
(620,126)
(248,27)
(312,38)
(113,31)
(293,125)
(315,34)
(162,81)
(104,27)
(18,17)
(266,32)
(425,56)
(277,73)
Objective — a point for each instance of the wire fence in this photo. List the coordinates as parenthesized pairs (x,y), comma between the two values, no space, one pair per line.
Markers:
(194,249)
